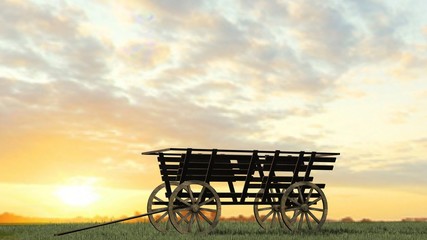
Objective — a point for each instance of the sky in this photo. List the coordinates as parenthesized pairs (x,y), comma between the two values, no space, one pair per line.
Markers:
(86,86)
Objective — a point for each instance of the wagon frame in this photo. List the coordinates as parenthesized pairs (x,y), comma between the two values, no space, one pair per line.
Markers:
(277,183)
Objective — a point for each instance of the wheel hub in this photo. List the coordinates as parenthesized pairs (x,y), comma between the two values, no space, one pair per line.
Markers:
(304,207)
(276,208)
(195,208)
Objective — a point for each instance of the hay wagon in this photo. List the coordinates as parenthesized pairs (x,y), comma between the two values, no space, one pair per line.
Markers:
(279,185)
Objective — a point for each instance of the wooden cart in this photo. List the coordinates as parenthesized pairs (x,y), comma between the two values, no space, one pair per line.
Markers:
(279,185)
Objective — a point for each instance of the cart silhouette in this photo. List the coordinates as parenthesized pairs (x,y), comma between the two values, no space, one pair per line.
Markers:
(278,184)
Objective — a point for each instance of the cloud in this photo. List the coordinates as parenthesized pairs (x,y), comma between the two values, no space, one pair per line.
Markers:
(49,44)
(321,31)
(144,55)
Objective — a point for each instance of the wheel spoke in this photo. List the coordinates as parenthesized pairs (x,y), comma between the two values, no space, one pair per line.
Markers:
(207,201)
(159,210)
(206,218)
(314,217)
(272,220)
(292,209)
(191,194)
(266,216)
(308,221)
(198,222)
(316,209)
(161,217)
(263,209)
(158,199)
(315,201)
(183,201)
(181,209)
(294,201)
(294,218)
(309,195)
(184,218)
(178,213)
(190,223)
(300,221)
(199,198)
(300,194)
(208,209)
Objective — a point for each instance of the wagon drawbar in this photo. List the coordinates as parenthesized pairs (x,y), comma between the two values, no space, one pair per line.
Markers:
(278,184)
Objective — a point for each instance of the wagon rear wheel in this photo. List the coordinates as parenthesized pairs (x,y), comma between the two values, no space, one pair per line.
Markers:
(158,201)
(194,206)
(268,216)
(304,207)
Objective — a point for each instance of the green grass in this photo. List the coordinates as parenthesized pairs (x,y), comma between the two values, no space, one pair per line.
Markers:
(225,230)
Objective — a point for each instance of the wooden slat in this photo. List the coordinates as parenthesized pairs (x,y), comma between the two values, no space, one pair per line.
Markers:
(322,167)
(232,165)
(289,167)
(325,159)
(170,167)
(169,172)
(165,179)
(193,165)
(239,158)
(289,179)
(228,172)
(172,159)
(213,178)
(256,179)
(165,175)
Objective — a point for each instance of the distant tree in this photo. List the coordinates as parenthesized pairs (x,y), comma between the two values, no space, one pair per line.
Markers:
(347,219)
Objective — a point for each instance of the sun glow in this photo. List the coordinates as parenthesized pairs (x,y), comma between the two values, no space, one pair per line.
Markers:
(77,195)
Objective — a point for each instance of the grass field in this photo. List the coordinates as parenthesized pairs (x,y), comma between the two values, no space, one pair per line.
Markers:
(225,230)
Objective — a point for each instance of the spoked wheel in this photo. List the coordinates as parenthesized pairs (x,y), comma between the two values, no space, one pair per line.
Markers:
(156,202)
(304,207)
(194,206)
(268,216)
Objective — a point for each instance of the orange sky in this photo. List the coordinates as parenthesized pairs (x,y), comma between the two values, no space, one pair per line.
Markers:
(85,87)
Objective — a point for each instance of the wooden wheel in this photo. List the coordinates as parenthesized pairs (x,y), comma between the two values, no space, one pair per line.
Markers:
(194,206)
(268,216)
(304,206)
(158,201)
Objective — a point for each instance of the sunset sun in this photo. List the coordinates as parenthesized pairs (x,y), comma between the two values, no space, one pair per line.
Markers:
(77,195)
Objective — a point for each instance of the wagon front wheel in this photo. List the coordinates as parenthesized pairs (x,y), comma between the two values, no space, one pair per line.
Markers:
(304,206)
(194,206)
(157,202)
